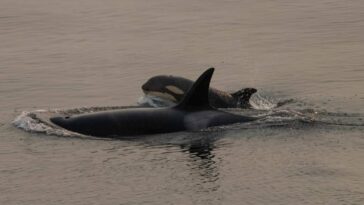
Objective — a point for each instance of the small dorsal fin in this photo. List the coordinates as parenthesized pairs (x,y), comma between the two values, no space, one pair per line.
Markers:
(198,95)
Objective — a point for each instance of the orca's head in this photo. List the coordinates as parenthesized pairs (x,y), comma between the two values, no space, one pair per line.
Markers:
(61,121)
(167,87)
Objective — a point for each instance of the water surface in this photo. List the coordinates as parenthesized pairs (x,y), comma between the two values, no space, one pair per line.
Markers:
(72,54)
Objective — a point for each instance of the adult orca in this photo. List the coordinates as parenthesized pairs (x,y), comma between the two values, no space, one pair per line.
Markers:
(173,88)
(194,112)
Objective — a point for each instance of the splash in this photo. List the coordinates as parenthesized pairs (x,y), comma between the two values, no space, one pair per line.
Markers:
(259,102)
(153,101)
(32,122)
(28,122)
(265,102)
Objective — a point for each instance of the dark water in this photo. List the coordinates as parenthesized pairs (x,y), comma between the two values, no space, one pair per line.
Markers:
(60,55)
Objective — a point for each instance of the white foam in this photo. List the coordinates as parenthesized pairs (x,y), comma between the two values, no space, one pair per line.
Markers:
(30,122)
(259,102)
(26,122)
(154,101)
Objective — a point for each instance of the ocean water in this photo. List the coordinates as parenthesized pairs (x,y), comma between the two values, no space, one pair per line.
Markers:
(82,56)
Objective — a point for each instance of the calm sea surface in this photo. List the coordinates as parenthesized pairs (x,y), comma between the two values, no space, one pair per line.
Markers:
(87,53)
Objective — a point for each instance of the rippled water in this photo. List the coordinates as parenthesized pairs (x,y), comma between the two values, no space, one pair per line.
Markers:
(80,56)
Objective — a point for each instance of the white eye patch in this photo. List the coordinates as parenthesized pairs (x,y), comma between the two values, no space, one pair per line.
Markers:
(175,90)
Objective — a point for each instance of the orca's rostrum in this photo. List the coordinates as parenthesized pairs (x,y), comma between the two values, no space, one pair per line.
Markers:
(194,112)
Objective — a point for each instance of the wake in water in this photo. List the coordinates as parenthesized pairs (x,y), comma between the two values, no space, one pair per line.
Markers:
(270,111)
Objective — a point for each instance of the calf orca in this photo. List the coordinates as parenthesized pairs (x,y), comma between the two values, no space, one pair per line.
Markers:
(173,89)
(193,113)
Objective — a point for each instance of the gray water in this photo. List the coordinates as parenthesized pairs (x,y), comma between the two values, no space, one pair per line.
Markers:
(60,55)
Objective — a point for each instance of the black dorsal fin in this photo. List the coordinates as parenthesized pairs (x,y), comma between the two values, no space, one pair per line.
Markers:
(198,95)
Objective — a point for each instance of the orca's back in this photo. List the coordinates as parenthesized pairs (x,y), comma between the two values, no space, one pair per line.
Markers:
(125,122)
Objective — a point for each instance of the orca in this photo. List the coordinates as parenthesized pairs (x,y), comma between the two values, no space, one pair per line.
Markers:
(172,89)
(193,113)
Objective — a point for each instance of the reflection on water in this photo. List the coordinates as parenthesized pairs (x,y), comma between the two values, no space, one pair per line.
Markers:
(203,162)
